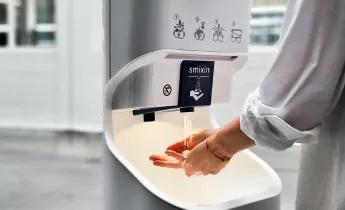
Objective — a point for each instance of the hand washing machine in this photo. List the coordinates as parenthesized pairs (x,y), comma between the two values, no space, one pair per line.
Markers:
(168,61)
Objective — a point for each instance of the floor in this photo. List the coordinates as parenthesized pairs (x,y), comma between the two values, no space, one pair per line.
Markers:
(40,182)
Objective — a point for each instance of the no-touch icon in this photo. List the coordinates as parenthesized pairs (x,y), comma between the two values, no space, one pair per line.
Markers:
(167,90)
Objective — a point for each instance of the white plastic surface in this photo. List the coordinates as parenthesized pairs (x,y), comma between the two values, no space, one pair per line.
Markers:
(245,180)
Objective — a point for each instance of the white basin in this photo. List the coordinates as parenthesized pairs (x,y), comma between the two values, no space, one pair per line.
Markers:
(247,179)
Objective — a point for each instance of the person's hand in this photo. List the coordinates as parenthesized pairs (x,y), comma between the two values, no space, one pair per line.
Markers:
(189,142)
(213,154)
(203,161)
(176,153)
(208,155)
(170,160)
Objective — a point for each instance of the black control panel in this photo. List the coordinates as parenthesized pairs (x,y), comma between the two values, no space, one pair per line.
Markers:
(196,82)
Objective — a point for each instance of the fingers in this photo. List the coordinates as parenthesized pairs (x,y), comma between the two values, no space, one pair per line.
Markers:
(186,153)
(189,173)
(167,161)
(213,172)
(167,164)
(176,155)
(179,146)
(175,160)
(158,157)
(189,142)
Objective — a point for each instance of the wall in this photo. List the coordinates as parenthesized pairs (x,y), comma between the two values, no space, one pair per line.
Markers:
(57,89)
(27,88)
(87,65)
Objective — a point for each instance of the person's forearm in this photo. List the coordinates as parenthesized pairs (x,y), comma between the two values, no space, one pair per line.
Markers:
(230,139)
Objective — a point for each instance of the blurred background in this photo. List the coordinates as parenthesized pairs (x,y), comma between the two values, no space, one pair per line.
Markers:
(51,87)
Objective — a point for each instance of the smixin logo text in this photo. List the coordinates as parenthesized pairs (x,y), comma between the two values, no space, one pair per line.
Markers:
(199,70)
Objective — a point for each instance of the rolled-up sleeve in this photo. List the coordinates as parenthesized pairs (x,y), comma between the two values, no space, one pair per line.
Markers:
(306,79)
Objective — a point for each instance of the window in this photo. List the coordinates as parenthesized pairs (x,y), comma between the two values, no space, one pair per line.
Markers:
(3,39)
(3,23)
(267,18)
(29,23)
(3,11)
(45,11)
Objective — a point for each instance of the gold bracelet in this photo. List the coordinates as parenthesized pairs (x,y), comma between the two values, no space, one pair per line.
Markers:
(224,159)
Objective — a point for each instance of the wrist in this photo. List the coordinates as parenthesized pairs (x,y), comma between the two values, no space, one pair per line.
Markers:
(230,140)
(215,154)
(216,145)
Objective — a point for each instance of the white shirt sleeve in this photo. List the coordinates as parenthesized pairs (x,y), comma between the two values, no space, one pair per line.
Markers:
(306,79)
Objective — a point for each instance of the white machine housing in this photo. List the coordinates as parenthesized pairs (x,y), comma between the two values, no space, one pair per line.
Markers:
(149,39)
(147,43)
